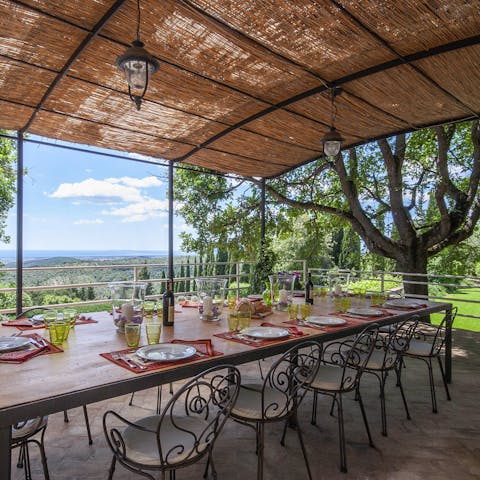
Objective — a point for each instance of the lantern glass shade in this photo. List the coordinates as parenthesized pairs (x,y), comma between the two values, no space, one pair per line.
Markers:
(332,142)
(137,65)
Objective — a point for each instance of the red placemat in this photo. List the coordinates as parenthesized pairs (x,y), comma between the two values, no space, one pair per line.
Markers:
(24,324)
(259,342)
(20,356)
(204,350)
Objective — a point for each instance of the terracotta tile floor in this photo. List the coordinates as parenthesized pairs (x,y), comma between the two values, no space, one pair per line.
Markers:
(441,446)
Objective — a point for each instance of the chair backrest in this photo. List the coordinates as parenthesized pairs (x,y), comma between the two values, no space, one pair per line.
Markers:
(188,424)
(352,356)
(288,379)
(395,343)
(434,334)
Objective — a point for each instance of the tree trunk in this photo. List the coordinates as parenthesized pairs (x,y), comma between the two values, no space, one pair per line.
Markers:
(414,261)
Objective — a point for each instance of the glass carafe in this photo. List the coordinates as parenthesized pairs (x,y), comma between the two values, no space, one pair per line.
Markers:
(211,294)
(127,303)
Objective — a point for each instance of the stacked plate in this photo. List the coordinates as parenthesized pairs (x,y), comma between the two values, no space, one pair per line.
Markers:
(404,303)
(166,352)
(325,321)
(265,332)
(365,312)
(10,344)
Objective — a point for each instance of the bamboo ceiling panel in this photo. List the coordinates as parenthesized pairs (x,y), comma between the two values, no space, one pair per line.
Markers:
(445,70)
(243,85)
(368,121)
(13,116)
(182,36)
(84,13)
(172,87)
(30,82)
(314,34)
(78,130)
(35,38)
(251,145)
(389,89)
(212,159)
(108,107)
(290,128)
(410,26)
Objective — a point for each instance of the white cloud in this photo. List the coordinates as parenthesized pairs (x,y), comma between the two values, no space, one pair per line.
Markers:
(98,191)
(145,182)
(97,221)
(140,211)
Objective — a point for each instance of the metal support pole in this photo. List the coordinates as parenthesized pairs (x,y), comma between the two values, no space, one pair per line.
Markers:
(170,222)
(262,215)
(19,302)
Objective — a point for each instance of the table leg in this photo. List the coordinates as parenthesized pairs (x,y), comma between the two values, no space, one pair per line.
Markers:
(5,454)
(448,346)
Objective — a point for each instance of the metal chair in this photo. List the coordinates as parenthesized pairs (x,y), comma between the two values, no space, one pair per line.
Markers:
(387,357)
(182,434)
(427,344)
(341,368)
(278,397)
(22,436)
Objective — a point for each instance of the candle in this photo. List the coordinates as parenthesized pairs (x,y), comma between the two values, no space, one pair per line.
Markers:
(127,312)
(283,296)
(208,306)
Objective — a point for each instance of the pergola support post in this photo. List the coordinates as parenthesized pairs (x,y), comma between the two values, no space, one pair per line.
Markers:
(19,265)
(262,214)
(170,222)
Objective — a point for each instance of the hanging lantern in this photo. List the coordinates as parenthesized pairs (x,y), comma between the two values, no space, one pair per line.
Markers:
(137,65)
(332,140)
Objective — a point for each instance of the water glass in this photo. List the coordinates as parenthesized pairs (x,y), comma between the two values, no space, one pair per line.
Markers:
(305,310)
(345,303)
(70,316)
(244,319)
(232,321)
(148,308)
(153,332)
(58,332)
(378,298)
(132,334)
(49,317)
(292,311)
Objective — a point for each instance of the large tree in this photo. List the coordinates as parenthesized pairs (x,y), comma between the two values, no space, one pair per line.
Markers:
(408,197)
(7,181)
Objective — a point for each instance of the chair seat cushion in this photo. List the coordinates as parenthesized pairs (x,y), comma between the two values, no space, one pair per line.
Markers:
(329,378)
(380,360)
(180,437)
(29,428)
(419,348)
(249,403)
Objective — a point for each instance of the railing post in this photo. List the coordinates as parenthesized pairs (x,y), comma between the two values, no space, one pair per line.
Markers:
(304,271)
(135,273)
(237,277)
(382,281)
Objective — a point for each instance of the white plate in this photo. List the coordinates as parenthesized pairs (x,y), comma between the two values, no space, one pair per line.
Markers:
(404,303)
(365,311)
(166,352)
(265,332)
(9,344)
(329,321)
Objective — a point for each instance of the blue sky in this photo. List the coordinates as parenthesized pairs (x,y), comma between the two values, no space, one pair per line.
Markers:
(82,201)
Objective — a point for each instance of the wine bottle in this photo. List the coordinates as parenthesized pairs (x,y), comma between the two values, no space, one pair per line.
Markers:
(309,290)
(168,305)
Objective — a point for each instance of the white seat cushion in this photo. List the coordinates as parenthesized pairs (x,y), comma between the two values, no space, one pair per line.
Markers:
(141,447)
(378,357)
(329,378)
(29,428)
(249,403)
(419,348)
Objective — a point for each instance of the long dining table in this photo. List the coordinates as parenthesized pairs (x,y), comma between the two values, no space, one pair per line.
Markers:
(79,375)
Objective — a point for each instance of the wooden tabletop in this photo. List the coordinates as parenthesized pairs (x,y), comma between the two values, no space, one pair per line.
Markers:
(79,375)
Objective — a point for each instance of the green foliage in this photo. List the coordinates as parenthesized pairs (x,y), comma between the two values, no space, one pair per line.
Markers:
(144,274)
(7,181)
(262,269)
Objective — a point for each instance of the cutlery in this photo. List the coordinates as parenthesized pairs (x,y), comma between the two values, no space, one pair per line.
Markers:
(135,361)
(121,358)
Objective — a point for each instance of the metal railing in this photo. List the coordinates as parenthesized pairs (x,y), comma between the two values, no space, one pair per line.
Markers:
(238,274)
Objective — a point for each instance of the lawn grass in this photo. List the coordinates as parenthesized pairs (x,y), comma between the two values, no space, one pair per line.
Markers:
(463,308)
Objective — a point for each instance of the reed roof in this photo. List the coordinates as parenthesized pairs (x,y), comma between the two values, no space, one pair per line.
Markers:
(244,85)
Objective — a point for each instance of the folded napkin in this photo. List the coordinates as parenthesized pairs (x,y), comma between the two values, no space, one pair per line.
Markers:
(203,346)
(20,356)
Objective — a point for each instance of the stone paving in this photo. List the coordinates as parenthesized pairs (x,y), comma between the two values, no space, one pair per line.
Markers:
(430,446)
